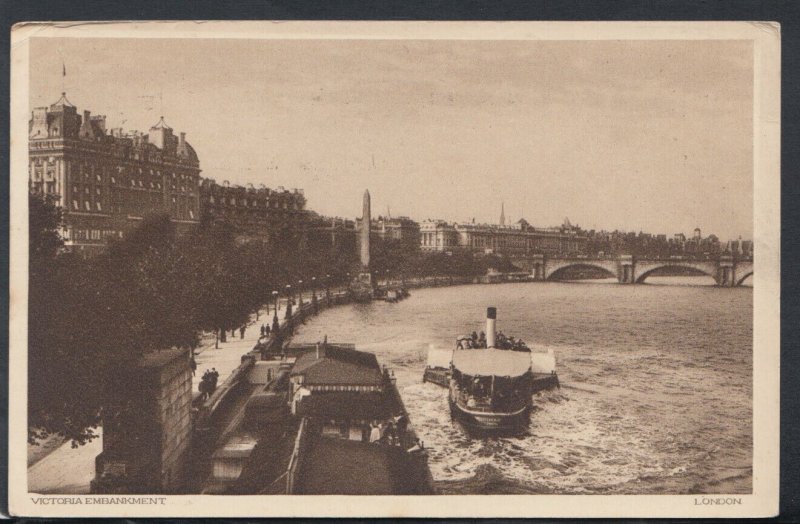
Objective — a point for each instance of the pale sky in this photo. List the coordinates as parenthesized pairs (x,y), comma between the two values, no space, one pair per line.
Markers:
(633,135)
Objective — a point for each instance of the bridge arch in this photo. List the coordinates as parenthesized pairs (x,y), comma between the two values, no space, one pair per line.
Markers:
(554,273)
(740,281)
(649,269)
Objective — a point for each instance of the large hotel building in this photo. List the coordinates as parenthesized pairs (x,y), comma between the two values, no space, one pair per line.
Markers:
(106,181)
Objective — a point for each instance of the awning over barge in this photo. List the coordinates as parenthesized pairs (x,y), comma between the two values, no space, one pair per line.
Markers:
(439,358)
(491,362)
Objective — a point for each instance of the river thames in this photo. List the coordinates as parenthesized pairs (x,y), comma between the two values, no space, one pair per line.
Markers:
(656,381)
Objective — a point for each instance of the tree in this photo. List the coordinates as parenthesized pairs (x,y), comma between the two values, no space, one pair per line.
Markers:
(65,362)
(222,300)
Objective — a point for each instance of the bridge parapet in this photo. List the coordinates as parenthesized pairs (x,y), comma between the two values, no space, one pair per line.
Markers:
(627,269)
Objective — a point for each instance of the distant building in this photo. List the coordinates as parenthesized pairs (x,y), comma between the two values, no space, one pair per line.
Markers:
(261,214)
(107,181)
(514,240)
(401,229)
(335,234)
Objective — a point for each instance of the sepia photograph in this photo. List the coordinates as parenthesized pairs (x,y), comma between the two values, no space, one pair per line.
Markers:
(417,261)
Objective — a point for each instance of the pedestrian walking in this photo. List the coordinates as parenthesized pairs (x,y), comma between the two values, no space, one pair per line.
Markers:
(241,332)
(193,365)
(213,377)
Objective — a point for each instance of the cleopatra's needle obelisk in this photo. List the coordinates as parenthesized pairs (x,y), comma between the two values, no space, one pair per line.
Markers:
(366,222)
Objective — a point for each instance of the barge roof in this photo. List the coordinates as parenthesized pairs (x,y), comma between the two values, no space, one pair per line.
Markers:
(336,365)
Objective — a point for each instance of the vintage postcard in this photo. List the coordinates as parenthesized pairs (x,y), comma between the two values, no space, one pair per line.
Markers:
(395,269)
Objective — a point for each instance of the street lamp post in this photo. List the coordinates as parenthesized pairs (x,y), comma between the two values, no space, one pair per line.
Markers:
(328,288)
(314,303)
(300,293)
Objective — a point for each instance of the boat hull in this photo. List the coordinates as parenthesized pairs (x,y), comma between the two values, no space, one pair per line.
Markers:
(491,422)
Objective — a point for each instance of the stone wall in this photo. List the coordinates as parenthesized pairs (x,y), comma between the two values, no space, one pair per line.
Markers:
(174,412)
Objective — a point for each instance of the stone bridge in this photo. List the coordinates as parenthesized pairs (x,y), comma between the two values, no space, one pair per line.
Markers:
(725,270)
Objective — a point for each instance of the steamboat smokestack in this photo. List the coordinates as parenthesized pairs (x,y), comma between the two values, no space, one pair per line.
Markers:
(491,320)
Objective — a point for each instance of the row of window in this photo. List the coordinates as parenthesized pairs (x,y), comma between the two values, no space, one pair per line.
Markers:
(90,234)
(87,205)
(275,204)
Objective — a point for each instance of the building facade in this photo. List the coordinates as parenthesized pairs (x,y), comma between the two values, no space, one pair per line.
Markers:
(518,239)
(256,213)
(107,181)
(400,229)
(334,234)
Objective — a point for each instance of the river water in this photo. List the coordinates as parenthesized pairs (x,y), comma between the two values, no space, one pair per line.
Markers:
(656,380)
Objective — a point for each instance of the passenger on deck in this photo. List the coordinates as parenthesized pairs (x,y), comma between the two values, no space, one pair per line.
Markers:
(500,340)
(375,432)
(402,423)
(391,434)
(482,340)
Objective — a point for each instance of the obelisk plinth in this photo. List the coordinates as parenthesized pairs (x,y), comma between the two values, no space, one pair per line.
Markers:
(366,223)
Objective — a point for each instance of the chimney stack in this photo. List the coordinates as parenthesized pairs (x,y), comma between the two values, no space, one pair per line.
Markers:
(491,320)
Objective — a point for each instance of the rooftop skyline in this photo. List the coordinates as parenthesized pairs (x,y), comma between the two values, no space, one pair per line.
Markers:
(615,135)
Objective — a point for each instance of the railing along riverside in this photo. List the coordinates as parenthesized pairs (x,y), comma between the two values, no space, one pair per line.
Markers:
(297,458)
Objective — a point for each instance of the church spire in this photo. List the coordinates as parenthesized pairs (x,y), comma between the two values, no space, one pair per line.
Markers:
(502,213)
